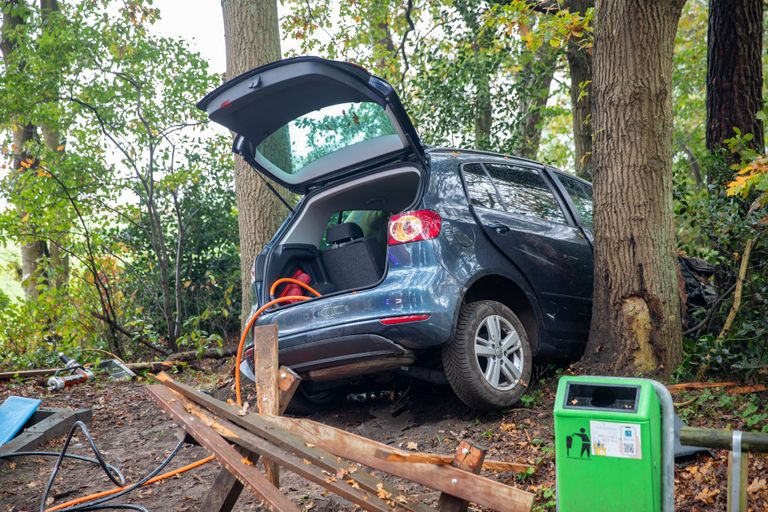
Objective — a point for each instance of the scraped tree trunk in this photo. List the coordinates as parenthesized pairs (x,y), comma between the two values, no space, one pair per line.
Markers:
(734,72)
(580,70)
(636,323)
(252,36)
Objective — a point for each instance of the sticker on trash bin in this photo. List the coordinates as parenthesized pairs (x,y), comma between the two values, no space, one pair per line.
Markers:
(615,439)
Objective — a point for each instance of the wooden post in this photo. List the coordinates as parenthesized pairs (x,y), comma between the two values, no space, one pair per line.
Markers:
(265,364)
(226,488)
(469,457)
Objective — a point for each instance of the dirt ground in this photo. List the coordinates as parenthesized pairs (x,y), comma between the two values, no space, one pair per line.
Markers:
(134,435)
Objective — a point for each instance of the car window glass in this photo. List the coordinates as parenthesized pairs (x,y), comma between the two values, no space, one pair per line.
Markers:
(525,192)
(317,134)
(480,188)
(372,222)
(581,195)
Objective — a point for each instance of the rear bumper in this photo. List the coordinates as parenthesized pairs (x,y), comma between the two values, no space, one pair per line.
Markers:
(341,357)
(408,289)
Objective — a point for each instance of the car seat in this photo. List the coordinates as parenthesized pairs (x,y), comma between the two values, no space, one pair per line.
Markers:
(352,260)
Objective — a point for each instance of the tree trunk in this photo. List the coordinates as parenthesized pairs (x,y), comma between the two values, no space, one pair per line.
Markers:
(252,37)
(734,72)
(537,77)
(636,322)
(32,250)
(580,69)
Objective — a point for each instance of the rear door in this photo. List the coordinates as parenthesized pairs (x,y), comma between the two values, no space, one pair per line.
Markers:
(526,218)
(305,121)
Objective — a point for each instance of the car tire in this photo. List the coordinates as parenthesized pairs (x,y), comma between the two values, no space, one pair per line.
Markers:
(483,372)
(306,403)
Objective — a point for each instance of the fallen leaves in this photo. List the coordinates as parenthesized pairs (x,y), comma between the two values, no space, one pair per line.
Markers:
(757,485)
(707,495)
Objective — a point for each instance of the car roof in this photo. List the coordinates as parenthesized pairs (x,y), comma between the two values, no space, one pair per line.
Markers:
(474,154)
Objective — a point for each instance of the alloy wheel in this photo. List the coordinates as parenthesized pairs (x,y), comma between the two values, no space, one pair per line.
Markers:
(499,352)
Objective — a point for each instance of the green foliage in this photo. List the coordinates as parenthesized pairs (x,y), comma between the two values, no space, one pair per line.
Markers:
(136,192)
(739,411)
(452,62)
(715,226)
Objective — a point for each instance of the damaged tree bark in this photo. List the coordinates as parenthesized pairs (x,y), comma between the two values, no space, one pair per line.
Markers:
(636,319)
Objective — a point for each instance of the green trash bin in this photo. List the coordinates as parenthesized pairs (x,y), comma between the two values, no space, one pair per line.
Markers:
(607,445)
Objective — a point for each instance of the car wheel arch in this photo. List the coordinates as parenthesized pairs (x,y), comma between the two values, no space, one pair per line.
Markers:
(509,292)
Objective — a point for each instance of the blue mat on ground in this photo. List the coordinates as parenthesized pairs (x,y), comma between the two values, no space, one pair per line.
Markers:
(14,414)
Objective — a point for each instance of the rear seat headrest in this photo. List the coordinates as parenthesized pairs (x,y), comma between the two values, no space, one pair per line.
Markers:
(343,233)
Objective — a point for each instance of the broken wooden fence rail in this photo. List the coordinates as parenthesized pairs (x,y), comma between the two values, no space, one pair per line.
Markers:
(322,445)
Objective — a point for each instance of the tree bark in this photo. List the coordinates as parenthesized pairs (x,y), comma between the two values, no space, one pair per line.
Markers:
(734,72)
(32,249)
(636,319)
(252,37)
(580,70)
(537,76)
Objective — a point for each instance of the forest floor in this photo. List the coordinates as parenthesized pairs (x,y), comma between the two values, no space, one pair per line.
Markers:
(135,435)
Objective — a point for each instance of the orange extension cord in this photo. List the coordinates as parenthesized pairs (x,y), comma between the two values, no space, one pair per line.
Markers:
(110,492)
(248,327)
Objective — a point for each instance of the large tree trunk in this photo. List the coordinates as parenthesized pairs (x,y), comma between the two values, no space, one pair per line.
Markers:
(636,323)
(734,72)
(580,69)
(252,37)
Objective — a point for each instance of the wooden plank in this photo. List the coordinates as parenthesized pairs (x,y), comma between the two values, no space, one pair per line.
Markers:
(287,385)
(341,483)
(265,363)
(56,422)
(471,487)
(25,374)
(469,457)
(224,453)
(721,439)
(294,434)
(223,494)
(434,458)
(256,424)
(226,489)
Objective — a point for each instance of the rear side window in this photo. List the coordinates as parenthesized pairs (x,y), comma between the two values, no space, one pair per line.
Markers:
(524,192)
(581,195)
(480,187)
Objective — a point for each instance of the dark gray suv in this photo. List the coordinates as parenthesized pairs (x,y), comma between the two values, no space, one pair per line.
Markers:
(447,265)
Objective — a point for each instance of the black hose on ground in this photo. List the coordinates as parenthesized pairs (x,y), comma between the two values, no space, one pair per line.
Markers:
(114,474)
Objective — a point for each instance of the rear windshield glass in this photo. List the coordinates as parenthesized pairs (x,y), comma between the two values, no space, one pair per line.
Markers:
(316,134)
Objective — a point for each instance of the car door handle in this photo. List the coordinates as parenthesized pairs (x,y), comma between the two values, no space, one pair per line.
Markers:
(498,227)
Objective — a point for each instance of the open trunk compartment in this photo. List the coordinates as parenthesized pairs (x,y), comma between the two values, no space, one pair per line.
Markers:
(351,256)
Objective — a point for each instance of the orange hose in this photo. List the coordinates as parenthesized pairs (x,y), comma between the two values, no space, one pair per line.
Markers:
(110,492)
(247,329)
(294,281)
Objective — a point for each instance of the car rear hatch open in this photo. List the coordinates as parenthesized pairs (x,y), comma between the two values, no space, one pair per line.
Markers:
(306,121)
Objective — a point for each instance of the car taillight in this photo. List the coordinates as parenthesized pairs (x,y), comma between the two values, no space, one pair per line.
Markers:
(413,226)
